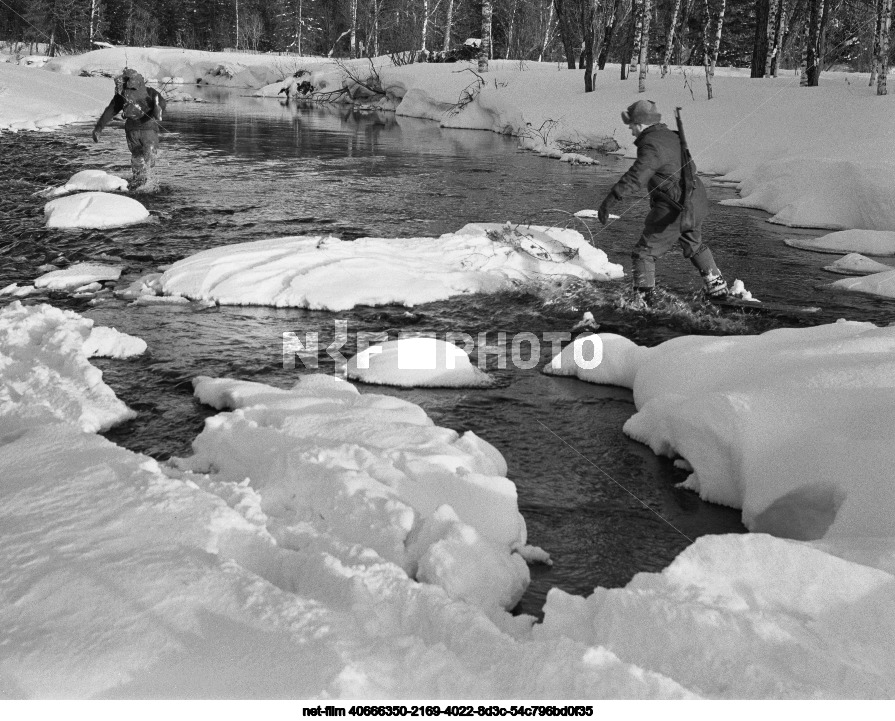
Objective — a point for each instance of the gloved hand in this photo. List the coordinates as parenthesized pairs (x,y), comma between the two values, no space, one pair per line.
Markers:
(96,135)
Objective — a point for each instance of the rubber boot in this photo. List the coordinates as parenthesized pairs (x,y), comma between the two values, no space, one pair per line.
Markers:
(715,285)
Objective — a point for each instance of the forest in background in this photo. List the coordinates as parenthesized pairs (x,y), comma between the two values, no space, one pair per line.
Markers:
(766,35)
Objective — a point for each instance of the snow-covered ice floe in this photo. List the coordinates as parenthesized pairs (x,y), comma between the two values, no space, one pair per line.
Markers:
(94,210)
(97,180)
(417,362)
(880,284)
(326,543)
(46,373)
(857,264)
(795,426)
(868,242)
(77,276)
(328,273)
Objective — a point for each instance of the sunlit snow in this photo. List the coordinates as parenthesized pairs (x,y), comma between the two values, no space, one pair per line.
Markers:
(419,362)
(94,210)
(868,242)
(881,284)
(76,276)
(795,426)
(857,264)
(279,559)
(329,273)
(98,180)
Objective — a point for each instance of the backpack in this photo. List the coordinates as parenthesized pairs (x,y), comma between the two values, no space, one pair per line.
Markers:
(137,101)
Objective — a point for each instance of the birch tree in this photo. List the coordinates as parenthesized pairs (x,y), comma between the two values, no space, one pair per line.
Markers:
(669,37)
(711,43)
(874,52)
(644,46)
(885,15)
(485,47)
(589,27)
(811,52)
(352,10)
(448,21)
(513,7)
(547,30)
(776,36)
(637,17)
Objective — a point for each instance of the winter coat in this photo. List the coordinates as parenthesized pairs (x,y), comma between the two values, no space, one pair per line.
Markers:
(657,168)
(148,121)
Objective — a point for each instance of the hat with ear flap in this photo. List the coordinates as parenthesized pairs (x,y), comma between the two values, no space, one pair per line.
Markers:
(643,112)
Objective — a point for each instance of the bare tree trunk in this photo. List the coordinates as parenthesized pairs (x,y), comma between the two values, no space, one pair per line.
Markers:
(546,30)
(565,32)
(301,21)
(237,24)
(812,55)
(885,24)
(92,20)
(608,31)
(770,66)
(447,26)
(589,23)
(791,22)
(376,8)
(706,50)
(485,48)
(686,6)
(760,41)
(669,37)
(803,63)
(512,27)
(352,52)
(425,29)
(717,43)
(770,34)
(638,34)
(644,47)
(874,54)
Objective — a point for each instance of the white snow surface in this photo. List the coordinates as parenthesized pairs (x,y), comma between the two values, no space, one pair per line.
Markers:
(326,543)
(45,376)
(795,426)
(328,273)
(76,276)
(857,264)
(32,99)
(419,362)
(881,284)
(868,242)
(104,342)
(87,180)
(94,210)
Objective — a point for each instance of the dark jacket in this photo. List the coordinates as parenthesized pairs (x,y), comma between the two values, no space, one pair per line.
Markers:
(148,121)
(657,168)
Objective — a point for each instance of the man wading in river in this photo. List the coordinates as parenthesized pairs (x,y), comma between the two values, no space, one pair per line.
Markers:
(678,202)
(142,110)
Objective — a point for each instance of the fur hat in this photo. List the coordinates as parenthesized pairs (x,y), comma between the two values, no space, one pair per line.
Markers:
(643,112)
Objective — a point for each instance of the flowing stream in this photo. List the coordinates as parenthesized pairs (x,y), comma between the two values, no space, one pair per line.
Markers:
(237,169)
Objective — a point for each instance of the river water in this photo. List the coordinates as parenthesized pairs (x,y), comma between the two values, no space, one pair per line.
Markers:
(237,169)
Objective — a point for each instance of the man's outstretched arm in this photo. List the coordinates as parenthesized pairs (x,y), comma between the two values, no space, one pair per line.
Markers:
(112,109)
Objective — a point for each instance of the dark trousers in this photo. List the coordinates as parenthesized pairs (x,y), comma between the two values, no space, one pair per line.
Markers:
(143,144)
(661,230)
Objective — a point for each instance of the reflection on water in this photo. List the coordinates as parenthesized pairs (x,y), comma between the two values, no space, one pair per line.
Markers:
(242,169)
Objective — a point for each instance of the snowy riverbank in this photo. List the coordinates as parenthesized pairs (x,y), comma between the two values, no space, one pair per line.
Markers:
(819,157)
